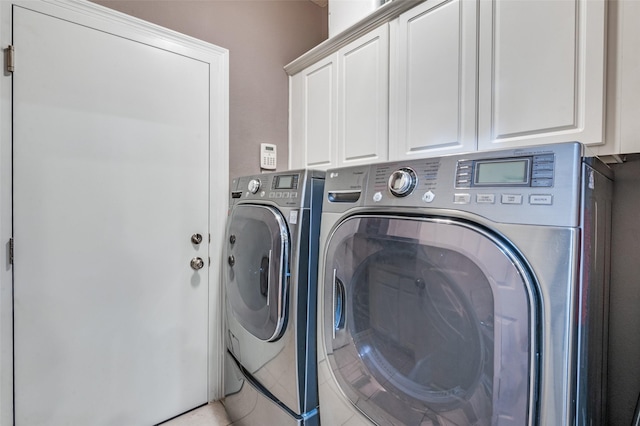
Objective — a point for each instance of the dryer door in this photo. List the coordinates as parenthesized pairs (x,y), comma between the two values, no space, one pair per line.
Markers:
(429,321)
(257,269)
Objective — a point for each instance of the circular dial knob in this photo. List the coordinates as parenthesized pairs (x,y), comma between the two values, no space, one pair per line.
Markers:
(402,182)
(254,185)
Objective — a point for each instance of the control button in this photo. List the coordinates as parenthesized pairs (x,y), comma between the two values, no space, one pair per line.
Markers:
(428,197)
(541,199)
(377,196)
(485,198)
(511,199)
(278,194)
(461,198)
(542,166)
(463,173)
(543,182)
(294,195)
(253,186)
(402,182)
(464,164)
(272,195)
(544,158)
(547,174)
(286,195)
(262,194)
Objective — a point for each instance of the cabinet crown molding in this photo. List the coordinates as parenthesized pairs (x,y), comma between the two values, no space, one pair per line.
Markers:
(380,16)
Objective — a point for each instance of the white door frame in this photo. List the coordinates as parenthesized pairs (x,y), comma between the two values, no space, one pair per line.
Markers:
(132,28)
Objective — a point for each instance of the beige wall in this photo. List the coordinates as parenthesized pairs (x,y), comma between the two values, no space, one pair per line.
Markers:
(262,37)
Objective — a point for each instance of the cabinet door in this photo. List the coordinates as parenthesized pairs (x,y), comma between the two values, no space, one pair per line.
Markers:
(313,116)
(541,72)
(629,76)
(623,79)
(363,112)
(433,79)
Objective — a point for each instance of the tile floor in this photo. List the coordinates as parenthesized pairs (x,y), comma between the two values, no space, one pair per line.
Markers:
(208,415)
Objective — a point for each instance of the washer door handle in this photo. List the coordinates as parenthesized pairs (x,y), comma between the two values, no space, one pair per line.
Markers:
(265,287)
(339,304)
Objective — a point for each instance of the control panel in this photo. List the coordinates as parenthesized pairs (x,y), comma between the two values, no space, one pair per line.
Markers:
(529,171)
(525,185)
(281,188)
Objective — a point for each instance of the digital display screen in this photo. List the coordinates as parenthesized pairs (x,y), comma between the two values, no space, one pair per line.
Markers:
(502,172)
(268,148)
(284,182)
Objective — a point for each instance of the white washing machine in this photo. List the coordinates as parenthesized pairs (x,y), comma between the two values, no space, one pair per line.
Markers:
(270,279)
(466,290)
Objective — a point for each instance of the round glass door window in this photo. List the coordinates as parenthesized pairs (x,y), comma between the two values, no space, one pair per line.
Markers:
(427,322)
(256,270)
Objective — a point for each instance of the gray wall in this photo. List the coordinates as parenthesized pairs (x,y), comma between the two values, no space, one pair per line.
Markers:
(624,324)
(262,37)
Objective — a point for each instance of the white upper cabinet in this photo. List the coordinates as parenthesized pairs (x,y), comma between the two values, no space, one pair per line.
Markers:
(627,75)
(436,77)
(363,109)
(339,107)
(433,79)
(623,79)
(541,72)
(313,112)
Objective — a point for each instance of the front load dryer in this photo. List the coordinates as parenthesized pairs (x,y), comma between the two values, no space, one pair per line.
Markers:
(466,290)
(270,279)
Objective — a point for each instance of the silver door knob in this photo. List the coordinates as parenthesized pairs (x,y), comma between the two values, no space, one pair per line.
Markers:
(196,238)
(197,263)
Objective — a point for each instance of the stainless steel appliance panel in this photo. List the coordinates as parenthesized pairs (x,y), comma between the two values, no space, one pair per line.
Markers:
(387,289)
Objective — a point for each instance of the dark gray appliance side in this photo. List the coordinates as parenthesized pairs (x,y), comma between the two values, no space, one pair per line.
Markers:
(307,298)
(593,294)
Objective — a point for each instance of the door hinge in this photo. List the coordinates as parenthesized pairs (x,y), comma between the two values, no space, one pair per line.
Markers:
(10,251)
(9,58)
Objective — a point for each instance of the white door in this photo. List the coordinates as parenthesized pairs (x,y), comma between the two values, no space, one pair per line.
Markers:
(110,166)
